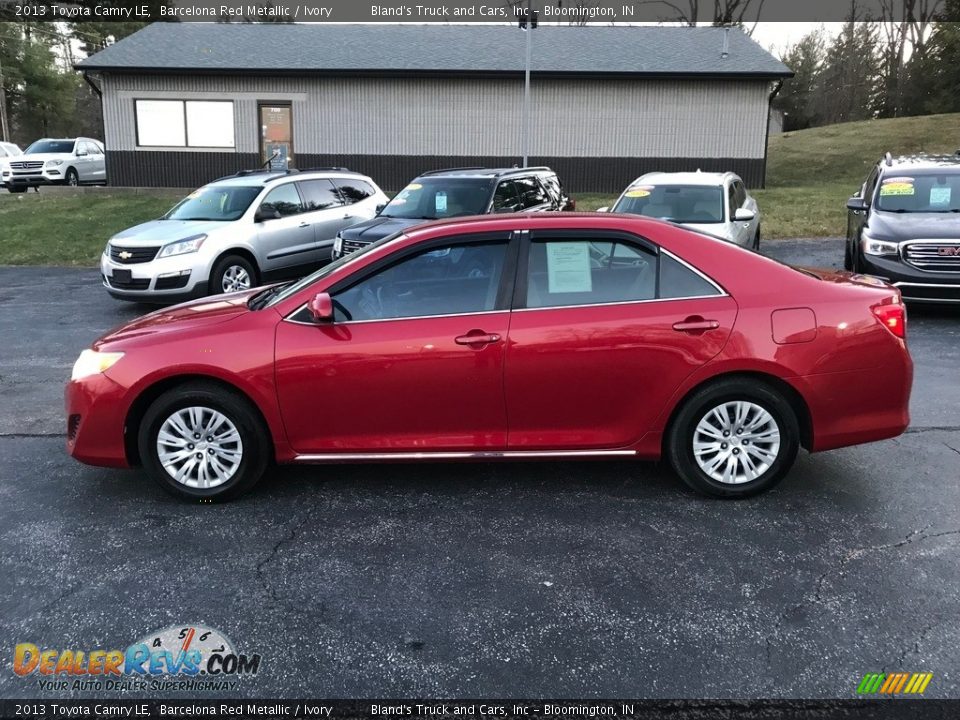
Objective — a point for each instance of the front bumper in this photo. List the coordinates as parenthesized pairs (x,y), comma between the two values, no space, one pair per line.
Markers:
(170,279)
(914,284)
(32,178)
(96,413)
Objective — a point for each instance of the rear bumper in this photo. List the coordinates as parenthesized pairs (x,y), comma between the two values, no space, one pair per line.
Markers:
(96,414)
(861,406)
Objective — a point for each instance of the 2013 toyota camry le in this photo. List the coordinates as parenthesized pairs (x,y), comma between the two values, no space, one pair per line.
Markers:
(583,336)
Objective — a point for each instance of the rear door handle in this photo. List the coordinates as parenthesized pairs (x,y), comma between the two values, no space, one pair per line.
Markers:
(304,224)
(477,338)
(695,323)
(348,217)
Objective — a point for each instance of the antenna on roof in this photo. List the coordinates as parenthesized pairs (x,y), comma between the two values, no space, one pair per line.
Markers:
(725,53)
(888,159)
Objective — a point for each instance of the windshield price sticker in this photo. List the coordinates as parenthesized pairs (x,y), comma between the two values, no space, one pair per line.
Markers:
(940,195)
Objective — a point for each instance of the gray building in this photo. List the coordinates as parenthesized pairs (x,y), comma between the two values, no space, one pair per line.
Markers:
(184,103)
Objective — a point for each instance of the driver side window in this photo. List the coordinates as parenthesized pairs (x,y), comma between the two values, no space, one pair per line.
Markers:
(451,280)
(284,199)
(505,199)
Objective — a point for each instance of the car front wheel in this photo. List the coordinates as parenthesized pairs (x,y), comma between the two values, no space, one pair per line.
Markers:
(733,439)
(71,178)
(202,442)
(232,274)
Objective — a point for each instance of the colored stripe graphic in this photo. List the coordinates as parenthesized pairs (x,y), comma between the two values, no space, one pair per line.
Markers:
(894,683)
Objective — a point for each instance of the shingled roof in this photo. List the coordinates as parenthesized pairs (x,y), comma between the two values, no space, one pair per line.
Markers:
(436,49)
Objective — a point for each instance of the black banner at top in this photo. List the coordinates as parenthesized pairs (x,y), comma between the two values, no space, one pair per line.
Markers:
(566,12)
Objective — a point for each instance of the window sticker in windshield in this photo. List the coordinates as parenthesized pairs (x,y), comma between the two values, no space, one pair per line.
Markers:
(568,267)
(404,194)
(940,195)
(897,186)
(440,202)
(638,192)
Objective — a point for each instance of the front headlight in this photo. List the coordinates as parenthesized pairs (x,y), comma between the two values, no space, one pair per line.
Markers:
(54,163)
(871,246)
(92,362)
(182,247)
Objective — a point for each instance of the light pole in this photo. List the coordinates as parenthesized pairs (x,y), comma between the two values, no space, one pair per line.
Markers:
(529,23)
(4,125)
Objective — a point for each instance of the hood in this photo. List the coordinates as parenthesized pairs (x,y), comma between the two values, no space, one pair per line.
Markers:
(33,157)
(188,316)
(897,227)
(164,231)
(378,227)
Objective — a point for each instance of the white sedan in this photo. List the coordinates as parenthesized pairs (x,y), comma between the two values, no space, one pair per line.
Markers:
(714,203)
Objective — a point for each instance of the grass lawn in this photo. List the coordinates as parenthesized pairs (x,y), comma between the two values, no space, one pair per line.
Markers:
(810,174)
(51,229)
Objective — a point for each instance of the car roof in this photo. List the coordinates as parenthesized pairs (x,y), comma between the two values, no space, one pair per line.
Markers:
(684,178)
(919,162)
(484,173)
(255,179)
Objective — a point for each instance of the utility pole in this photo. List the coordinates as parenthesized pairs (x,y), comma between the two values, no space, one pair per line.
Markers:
(4,124)
(529,23)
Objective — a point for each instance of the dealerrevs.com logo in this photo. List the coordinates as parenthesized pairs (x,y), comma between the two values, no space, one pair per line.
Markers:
(180,657)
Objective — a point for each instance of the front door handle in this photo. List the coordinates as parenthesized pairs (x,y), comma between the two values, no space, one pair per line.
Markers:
(348,217)
(477,338)
(695,324)
(304,224)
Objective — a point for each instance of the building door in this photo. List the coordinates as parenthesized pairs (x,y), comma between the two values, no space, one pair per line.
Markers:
(276,135)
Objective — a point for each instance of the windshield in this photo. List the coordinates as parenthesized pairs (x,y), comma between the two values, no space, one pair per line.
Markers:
(50,146)
(934,192)
(284,292)
(679,203)
(440,197)
(217,203)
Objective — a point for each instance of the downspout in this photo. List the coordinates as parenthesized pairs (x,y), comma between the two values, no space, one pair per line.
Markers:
(94,86)
(766,140)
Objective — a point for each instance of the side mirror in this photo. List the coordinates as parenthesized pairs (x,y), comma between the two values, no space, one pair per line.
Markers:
(263,214)
(321,307)
(605,208)
(380,208)
(857,204)
(744,215)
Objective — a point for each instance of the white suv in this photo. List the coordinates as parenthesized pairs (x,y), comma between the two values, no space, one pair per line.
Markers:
(714,203)
(76,161)
(238,232)
(7,152)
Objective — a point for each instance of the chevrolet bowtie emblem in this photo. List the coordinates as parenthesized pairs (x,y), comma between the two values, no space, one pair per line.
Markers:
(126,255)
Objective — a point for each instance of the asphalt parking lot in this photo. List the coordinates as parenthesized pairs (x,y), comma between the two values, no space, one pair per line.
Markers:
(513,580)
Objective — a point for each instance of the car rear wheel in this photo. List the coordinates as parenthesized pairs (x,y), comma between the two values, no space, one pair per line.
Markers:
(72,179)
(201,442)
(232,274)
(734,439)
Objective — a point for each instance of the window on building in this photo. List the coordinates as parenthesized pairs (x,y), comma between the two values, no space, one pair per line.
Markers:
(184,123)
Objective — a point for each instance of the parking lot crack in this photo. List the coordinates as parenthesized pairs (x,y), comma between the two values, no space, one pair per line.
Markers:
(274,552)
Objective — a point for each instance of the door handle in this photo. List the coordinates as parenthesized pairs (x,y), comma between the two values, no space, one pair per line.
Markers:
(304,224)
(348,217)
(695,324)
(477,338)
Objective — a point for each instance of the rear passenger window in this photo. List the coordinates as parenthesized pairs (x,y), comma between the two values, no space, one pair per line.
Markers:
(505,199)
(319,195)
(588,272)
(679,281)
(353,191)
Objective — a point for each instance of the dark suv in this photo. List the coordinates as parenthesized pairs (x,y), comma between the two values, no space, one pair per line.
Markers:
(459,191)
(904,227)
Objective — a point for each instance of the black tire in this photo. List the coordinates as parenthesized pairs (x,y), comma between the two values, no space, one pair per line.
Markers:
(756,240)
(71,178)
(21,189)
(847,259)
(225,264)
(680,438)
(255,447)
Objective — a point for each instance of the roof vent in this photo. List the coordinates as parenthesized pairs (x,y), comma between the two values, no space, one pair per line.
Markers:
(725,53)
(888,159)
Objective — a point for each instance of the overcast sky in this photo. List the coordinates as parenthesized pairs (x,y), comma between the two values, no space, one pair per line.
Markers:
(777,36)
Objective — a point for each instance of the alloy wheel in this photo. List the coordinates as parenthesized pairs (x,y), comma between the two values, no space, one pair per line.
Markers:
(199,447)
(235,278)
(736,442)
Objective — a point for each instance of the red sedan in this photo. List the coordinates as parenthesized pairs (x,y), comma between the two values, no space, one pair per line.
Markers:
(565,336)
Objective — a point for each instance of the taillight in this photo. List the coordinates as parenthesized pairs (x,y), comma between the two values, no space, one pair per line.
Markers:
(893,317)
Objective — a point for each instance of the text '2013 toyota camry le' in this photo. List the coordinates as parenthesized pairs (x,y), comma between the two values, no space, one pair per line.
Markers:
(541,337)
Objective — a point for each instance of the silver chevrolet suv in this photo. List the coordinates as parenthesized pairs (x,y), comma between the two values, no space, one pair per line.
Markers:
(238,232)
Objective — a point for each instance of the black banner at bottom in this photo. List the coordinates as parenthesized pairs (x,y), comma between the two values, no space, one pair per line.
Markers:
(486,709)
